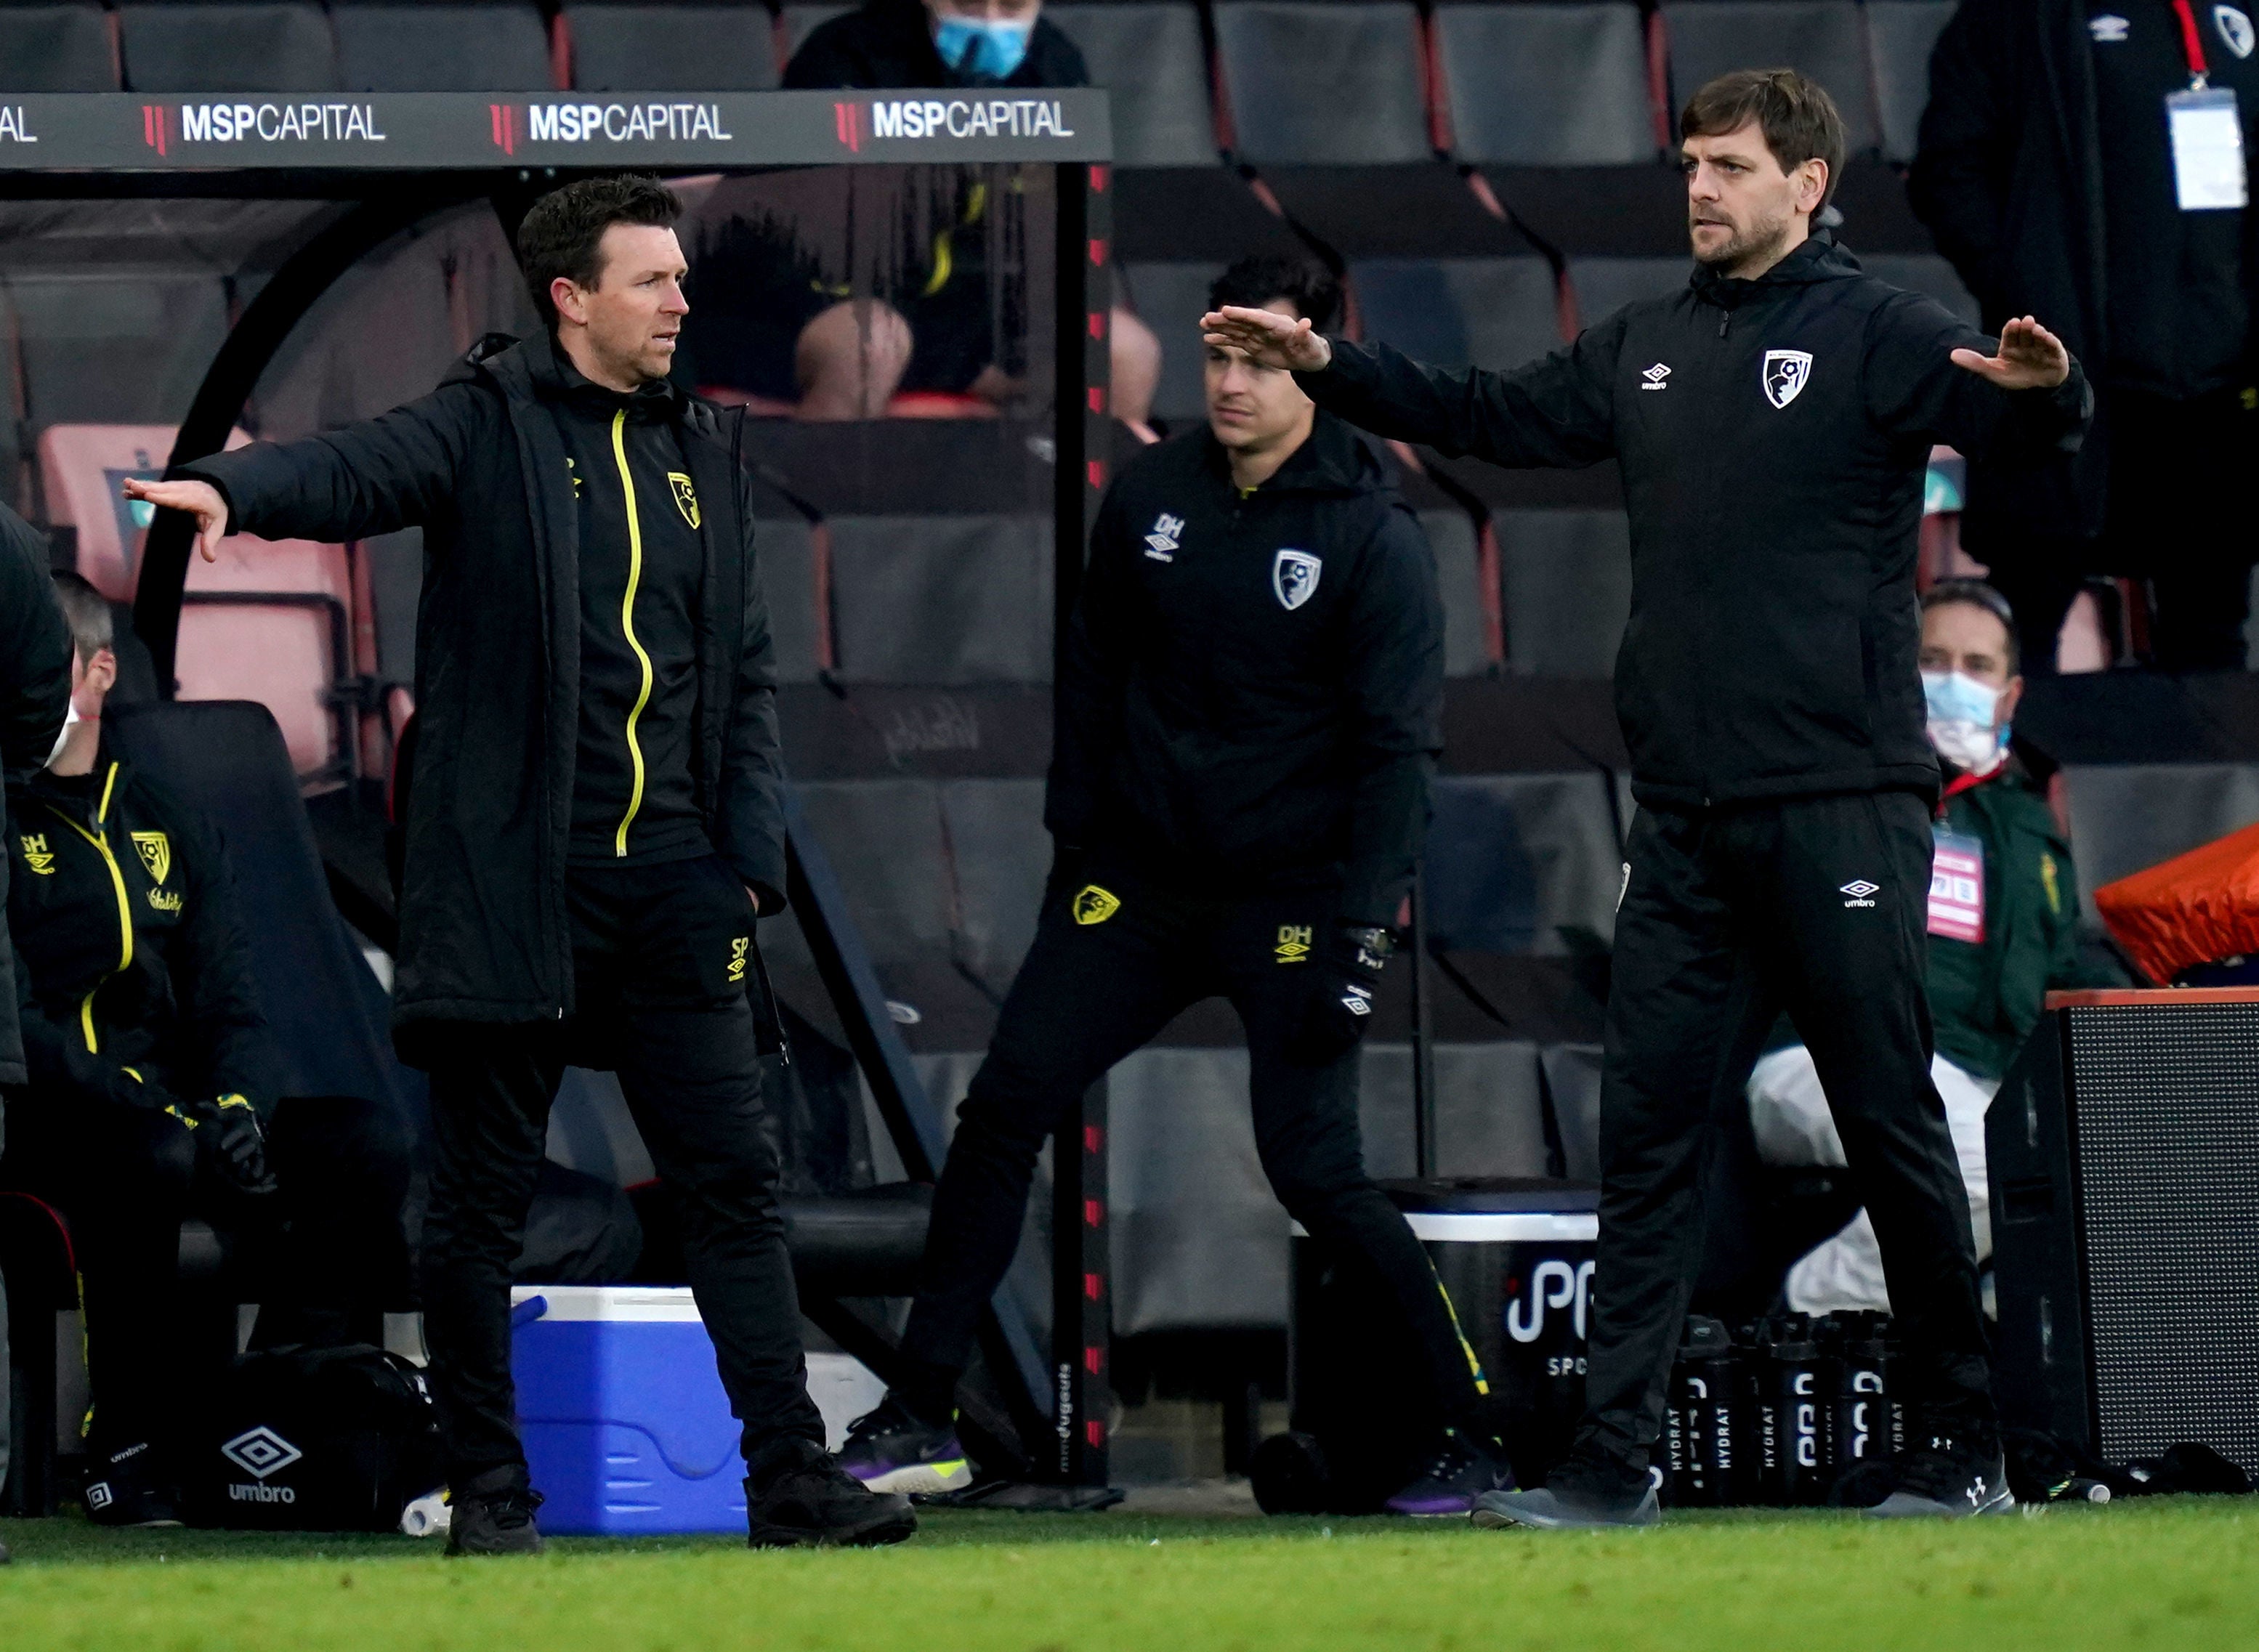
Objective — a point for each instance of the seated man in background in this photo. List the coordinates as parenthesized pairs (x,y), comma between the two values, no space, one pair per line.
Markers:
(151,1094)
(938,334)
(2003,931)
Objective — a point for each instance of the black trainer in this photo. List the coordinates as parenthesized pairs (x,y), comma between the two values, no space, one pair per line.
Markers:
(1951,1477)
(1586,1492)
(798,1497)
(892,1449)
(128,1488)
(1464,1467)
(492,1513)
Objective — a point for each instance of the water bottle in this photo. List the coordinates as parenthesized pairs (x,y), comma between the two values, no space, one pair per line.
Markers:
(428,1516)
(1794,1413)
(1861,1428)
(1699,1416)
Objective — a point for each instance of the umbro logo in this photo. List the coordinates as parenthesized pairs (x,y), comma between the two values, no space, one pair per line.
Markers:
(1862,892)
(1161,543)
(260,1452)
(1656,378)
(2108,29)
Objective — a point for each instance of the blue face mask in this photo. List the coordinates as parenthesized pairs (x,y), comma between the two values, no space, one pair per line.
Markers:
(1961,721)
(984,52)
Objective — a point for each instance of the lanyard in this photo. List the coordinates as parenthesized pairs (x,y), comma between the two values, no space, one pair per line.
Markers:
(1965,782)
(2191,44)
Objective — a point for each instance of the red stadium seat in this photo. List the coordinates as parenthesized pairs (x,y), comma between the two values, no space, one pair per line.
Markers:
(82,470)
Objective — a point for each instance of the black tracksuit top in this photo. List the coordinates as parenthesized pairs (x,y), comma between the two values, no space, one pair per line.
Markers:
(1253,688)
(641,566)
(1773,435)
(133,954)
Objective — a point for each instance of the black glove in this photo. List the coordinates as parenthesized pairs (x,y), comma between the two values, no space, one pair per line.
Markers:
(229,1136)
(1344,984)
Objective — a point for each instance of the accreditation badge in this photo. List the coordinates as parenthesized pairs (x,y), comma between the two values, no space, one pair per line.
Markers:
(1957,886)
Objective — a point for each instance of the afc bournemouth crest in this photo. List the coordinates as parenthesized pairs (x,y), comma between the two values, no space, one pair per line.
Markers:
(1294,577)
(1095,905)
(685,500)
(156,852)
(2235,26)
(1786,372)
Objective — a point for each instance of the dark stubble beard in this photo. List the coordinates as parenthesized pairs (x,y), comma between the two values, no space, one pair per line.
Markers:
(1761,241)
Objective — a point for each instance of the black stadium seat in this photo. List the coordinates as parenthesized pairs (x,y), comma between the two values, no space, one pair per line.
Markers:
(1826,39)
(799,22)
(1567,575)
(628,47)
(1902,32)
(1319,84)
(1457,312)
(1546,85)
(1923,273)
(1151,58)
(56,48)
(223,46)
(1605,285)
(444,47)
(943,599)
(1171,298)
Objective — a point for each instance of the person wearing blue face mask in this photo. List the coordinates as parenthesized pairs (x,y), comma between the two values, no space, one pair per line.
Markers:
(2003,932)
(892,43)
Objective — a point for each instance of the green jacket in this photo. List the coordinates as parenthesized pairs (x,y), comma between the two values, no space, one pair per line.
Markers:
(1985,996)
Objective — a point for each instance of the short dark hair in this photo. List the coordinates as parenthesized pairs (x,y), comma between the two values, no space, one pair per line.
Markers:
(1799,120)
(1267,277)
(87,612)
(1977,593)
(561,234)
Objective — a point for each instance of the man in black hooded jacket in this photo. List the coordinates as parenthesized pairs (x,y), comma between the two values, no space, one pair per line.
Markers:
(594,818)
(1773,422)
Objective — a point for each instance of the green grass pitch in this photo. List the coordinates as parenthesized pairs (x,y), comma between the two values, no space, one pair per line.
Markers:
(2156,1574)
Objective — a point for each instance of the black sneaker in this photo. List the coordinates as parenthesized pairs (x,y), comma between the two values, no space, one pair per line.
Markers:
(1464,1469)
(798,1497)
(1953,1477)
(894,1450)
(1587,1492)
(129,1489)
(492,1513)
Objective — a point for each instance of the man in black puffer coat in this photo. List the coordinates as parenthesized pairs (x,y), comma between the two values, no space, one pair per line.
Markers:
(1773,422)
(595,817)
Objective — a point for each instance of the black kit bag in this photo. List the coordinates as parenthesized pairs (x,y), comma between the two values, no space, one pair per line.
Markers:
(312,1439)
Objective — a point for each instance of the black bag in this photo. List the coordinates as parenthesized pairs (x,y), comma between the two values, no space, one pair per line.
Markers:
(313,1439)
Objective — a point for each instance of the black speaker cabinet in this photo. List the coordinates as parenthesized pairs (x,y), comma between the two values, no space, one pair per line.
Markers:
(2124,1149)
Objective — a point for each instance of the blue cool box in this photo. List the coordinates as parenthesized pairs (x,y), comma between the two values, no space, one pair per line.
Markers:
(626,1427)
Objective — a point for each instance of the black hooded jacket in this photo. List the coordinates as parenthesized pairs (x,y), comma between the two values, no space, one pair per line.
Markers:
(481,467)
(138,974)
(35,674)
(886,45)
(1773,435)
(1252,687)
(2009,179)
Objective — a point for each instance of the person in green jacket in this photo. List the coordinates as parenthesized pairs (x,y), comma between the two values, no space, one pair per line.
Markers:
(2003,932)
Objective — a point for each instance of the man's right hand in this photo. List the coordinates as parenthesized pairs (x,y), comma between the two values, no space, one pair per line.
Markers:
(1267,339)
(200,500)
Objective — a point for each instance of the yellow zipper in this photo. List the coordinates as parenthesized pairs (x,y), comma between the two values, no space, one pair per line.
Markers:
(627,628)
(99,837)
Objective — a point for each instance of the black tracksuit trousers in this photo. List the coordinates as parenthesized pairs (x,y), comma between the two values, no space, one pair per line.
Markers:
(1090,993)
(1817,906)
(325,1255)
(659,957)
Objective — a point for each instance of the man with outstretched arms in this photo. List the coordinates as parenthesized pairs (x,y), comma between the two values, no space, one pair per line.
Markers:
(595,817)
(1773,420)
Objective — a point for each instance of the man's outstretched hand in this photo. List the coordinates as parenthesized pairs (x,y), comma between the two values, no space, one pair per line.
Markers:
(1267,339)
(200,500)
(2031,358)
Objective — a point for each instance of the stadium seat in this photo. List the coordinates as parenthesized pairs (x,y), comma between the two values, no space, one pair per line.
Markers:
(1568,589)
(1903,31)
(225,47)
(1606,285)
(1825,38)
(270,622)
(1513,860)
(1151,58)
(785,553)
(1545,85)
(444,47)
(1451,535)
(1457,312)
(83,468)
(57,48)
(1319,84)
(1923,273)
(943,599)
(621,47)
(795,23)
(1171,298)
